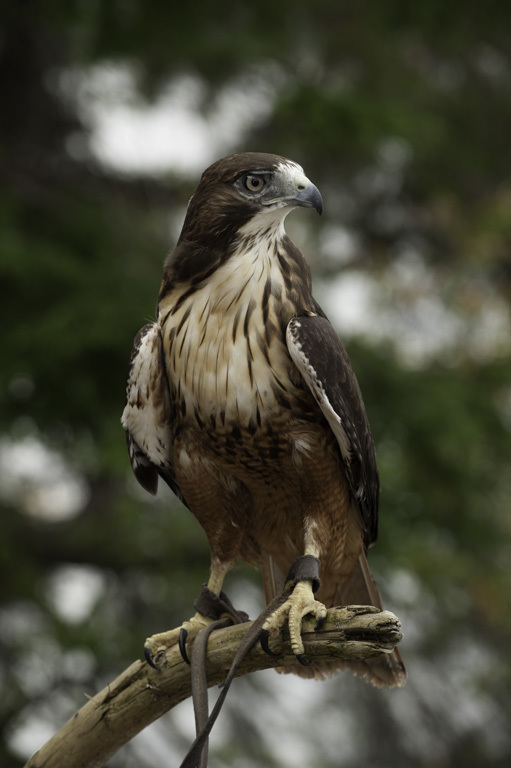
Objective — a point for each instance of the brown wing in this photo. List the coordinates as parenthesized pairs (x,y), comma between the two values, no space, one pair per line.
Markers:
(319,355)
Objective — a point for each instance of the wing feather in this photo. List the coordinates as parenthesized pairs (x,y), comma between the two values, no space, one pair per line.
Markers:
(146,417)
(323,362)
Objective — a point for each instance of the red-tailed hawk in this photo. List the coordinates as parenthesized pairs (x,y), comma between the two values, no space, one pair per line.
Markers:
(243,399)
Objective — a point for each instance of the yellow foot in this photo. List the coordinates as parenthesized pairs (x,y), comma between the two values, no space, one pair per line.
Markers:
(300,603)
(156,645)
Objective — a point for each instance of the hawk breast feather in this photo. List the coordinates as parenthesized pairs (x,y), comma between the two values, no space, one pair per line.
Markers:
(319,355)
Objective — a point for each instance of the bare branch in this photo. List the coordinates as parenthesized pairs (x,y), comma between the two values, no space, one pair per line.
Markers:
(141,694)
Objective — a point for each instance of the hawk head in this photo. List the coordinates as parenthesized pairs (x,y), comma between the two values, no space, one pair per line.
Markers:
(242,188)
(233,190)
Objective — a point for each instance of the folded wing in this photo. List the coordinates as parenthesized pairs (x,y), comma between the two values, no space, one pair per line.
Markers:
(319,355)
(147,415)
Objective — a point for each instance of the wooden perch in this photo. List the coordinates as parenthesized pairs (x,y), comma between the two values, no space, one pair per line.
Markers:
(142,694)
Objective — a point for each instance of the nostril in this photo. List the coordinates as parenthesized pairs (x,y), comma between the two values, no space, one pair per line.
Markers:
(301,186)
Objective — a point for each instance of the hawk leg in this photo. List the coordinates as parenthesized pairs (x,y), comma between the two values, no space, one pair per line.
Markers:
(305,582)
(211,605)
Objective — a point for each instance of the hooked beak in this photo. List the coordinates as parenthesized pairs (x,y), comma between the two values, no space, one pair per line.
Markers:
(310,197)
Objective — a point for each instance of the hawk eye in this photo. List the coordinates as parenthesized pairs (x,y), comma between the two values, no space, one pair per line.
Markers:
(253,183)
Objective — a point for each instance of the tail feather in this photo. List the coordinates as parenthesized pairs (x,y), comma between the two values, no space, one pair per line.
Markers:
(359,588)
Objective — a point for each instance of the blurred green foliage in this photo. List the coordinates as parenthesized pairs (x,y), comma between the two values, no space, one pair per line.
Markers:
(401,113)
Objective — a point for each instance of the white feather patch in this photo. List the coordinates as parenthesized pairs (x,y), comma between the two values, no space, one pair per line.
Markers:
(145,416)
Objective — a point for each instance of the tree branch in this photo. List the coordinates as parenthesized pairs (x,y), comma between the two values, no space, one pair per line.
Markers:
(142,694)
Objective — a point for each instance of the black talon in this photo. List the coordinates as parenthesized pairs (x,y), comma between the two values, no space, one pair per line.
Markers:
(149,658)
(303,660)
(320,623)
(264,636)
(183,634)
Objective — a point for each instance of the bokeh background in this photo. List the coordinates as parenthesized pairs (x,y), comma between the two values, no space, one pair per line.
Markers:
(401,113)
